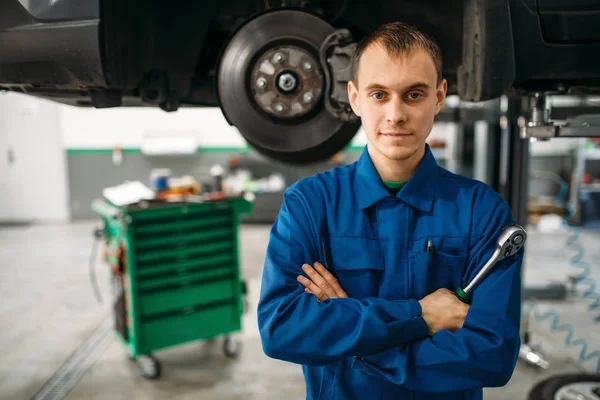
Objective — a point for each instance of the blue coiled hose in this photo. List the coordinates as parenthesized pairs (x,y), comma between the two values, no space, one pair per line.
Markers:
(556,326)
(583,279)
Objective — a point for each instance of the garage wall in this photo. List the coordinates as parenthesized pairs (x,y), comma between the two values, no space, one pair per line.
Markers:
(90,136)
(90,172)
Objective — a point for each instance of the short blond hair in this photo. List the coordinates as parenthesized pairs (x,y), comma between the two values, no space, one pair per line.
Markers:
(398,38)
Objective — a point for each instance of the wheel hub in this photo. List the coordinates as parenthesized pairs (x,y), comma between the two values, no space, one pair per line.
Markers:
(286,82)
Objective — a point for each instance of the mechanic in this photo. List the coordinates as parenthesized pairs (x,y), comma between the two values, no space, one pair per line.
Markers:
(361,258)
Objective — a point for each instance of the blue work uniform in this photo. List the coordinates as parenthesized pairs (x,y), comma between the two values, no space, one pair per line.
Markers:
(375,344)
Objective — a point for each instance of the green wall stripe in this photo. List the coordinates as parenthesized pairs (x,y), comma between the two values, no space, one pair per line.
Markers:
(100,151)
(221,149)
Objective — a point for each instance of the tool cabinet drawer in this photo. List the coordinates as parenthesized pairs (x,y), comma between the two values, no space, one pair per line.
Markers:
(201,323)
(221,286)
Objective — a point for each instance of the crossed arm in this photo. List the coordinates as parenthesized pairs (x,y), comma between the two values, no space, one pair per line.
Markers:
(453,359)
(395,340)
(440,310)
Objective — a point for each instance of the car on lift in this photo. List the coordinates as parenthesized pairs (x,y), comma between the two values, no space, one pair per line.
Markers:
(278,69)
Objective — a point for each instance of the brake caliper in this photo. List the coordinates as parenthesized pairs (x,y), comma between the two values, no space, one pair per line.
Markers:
(336,58)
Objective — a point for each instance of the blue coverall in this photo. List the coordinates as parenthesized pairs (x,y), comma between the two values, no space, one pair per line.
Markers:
(375,344)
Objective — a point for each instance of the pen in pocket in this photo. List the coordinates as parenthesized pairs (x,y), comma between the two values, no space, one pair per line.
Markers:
(430,249)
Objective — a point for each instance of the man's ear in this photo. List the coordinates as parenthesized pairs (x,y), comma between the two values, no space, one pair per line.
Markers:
(442,89)
(353,97)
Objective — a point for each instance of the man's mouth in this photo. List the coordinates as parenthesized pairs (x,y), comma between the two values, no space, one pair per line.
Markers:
(396,134)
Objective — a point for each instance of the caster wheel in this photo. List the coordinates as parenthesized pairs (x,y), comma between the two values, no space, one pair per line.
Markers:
(271,86)
(149,367)
(567,387)
(232,347)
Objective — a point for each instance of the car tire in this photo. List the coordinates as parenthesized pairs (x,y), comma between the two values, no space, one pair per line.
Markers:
(554,388)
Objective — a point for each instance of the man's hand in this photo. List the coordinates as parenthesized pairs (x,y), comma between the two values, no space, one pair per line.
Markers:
(443,310)
(322,283)
(440,310)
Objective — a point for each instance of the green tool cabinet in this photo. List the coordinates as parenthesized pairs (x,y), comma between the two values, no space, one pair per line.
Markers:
(176,274)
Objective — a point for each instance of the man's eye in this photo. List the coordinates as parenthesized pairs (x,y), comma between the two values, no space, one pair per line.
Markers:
(415,96)
(378,96)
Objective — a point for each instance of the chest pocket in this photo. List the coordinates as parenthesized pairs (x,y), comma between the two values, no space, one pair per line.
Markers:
(358,265)
(442,268)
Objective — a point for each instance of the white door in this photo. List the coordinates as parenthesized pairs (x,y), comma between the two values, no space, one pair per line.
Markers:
(32,160)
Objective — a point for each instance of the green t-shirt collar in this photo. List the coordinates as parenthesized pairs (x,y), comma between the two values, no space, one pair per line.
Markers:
(394,185)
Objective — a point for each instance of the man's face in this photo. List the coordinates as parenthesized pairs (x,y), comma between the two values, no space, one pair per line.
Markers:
(397,99)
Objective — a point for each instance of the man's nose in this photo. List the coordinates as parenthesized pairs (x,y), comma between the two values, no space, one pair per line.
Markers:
(396,112)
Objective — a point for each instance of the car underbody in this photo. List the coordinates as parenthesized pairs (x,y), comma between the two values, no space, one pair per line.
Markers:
(279,69)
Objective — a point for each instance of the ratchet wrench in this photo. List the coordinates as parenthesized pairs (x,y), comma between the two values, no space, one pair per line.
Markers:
(509,243)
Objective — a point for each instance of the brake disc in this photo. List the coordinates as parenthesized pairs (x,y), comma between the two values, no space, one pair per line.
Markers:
(271,86)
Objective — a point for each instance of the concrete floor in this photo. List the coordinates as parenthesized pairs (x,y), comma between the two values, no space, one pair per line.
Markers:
(48,310)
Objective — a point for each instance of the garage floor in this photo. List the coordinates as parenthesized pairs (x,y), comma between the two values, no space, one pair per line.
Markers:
(48,311)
